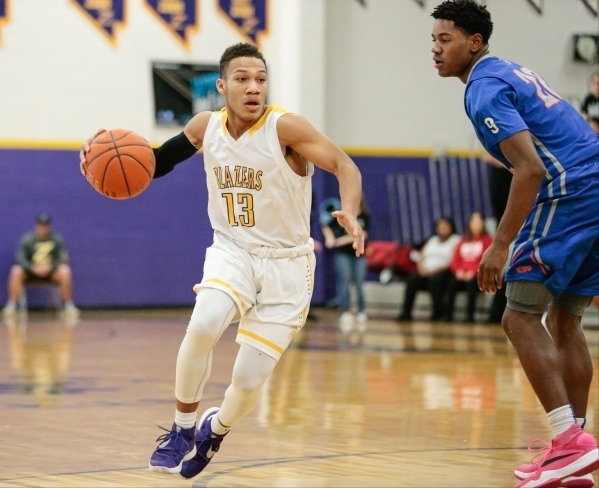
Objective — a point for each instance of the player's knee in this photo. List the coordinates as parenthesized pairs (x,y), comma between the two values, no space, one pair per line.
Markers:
(213,312)
(200,329)
(514,320)
(246,383)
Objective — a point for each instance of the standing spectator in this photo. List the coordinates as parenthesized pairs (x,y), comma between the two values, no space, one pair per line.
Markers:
(500,180)
(349,268)
(464,265)
(41,256)
(590,104)
(433,269)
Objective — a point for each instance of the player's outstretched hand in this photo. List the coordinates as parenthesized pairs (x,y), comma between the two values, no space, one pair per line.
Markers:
(84,149)
(352,227)
(490,271)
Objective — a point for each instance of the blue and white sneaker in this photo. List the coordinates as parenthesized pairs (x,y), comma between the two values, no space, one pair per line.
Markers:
(207,444)
(175,447)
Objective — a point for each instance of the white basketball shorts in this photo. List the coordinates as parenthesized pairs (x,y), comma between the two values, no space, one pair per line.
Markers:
(272,294)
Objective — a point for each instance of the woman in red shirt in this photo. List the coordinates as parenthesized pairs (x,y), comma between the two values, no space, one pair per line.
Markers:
(465,262)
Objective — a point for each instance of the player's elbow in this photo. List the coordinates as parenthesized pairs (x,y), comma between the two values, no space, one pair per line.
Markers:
(534,171)
(538,171)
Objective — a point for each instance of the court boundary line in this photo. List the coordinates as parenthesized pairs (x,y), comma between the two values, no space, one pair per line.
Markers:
(268,461)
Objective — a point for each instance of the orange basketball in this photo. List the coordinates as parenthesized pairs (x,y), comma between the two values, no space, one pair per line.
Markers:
(120,164)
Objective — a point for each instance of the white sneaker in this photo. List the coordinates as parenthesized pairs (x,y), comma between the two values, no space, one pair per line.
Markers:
(346,322)
(71,312)
(9,311)
(361,320)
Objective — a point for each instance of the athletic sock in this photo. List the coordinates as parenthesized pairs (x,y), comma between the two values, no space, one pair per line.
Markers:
(217,427)
(581,421)
(185,420)
(561,419)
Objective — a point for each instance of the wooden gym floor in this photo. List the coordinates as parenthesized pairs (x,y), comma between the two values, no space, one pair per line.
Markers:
(404,405)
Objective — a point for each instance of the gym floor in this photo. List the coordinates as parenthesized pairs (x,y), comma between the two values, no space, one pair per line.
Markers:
(403,405)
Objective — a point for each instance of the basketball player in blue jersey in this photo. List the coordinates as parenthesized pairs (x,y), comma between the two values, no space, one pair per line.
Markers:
(551,214)
(260,269)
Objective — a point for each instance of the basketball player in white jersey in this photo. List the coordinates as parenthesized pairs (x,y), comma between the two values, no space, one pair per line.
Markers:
(260,269)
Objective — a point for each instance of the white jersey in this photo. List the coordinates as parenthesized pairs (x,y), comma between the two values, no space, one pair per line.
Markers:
(254,197)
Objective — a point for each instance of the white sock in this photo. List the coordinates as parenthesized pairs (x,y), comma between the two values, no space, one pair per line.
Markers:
(581,421)
(561,419)
(185,420)
(217,427)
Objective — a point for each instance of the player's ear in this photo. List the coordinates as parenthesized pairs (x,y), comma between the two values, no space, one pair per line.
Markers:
(220,86)
(476,42)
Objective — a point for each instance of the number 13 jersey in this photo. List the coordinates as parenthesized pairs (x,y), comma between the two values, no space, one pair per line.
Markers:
(254,197)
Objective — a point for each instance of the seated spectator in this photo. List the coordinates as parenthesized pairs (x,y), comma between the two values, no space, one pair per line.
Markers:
(433,270)
(464,265)
(349,269)
(41,256)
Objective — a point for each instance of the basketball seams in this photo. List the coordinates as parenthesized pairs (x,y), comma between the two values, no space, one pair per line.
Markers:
(138,162)
(106,171)
(116,148)
(98,155)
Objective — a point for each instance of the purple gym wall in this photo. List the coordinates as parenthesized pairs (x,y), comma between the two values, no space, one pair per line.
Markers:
(147,251)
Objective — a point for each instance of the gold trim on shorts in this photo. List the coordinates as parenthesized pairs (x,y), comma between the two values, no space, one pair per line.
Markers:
(225,284)
(262,340)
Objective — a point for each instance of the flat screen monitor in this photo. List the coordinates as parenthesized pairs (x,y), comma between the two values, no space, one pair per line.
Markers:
(183,90)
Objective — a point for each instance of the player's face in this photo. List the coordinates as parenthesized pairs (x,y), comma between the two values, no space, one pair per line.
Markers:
(451,49)
(245,87)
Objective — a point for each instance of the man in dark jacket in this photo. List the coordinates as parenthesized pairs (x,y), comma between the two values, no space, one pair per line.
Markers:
(41,257)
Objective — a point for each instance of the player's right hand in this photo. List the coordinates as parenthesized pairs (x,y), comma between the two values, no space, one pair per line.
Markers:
(84,149)
(351,225)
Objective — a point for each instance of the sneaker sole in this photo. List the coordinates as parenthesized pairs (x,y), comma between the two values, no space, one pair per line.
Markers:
(176,469)
(569,482)
(553,479)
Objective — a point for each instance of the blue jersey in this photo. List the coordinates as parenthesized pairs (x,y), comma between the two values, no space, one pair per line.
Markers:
(503,98)
(559,242)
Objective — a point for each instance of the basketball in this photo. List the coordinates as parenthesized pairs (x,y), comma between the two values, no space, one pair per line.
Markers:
(120,164)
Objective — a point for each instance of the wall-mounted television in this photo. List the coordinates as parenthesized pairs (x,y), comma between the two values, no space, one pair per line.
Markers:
(183,90)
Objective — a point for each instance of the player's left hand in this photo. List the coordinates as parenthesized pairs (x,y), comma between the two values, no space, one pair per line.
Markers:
(84,150)
(490,271)
(350,224)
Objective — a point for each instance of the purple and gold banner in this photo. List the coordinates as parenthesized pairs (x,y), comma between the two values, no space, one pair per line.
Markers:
(249,17)
(179,16)
(4,14)
(106,15)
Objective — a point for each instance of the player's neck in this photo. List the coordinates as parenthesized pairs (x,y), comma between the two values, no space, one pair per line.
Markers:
(466,74)
(236,126)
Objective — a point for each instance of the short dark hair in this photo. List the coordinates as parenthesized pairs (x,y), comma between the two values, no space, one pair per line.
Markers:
(239,50)
(467,15)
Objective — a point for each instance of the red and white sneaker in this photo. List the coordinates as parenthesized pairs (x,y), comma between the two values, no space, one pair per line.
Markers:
(572,454)
(525,470)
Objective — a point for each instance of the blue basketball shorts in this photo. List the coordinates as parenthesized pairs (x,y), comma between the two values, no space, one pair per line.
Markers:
(559,242)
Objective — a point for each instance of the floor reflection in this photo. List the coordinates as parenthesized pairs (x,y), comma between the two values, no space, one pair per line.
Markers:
(40,352)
